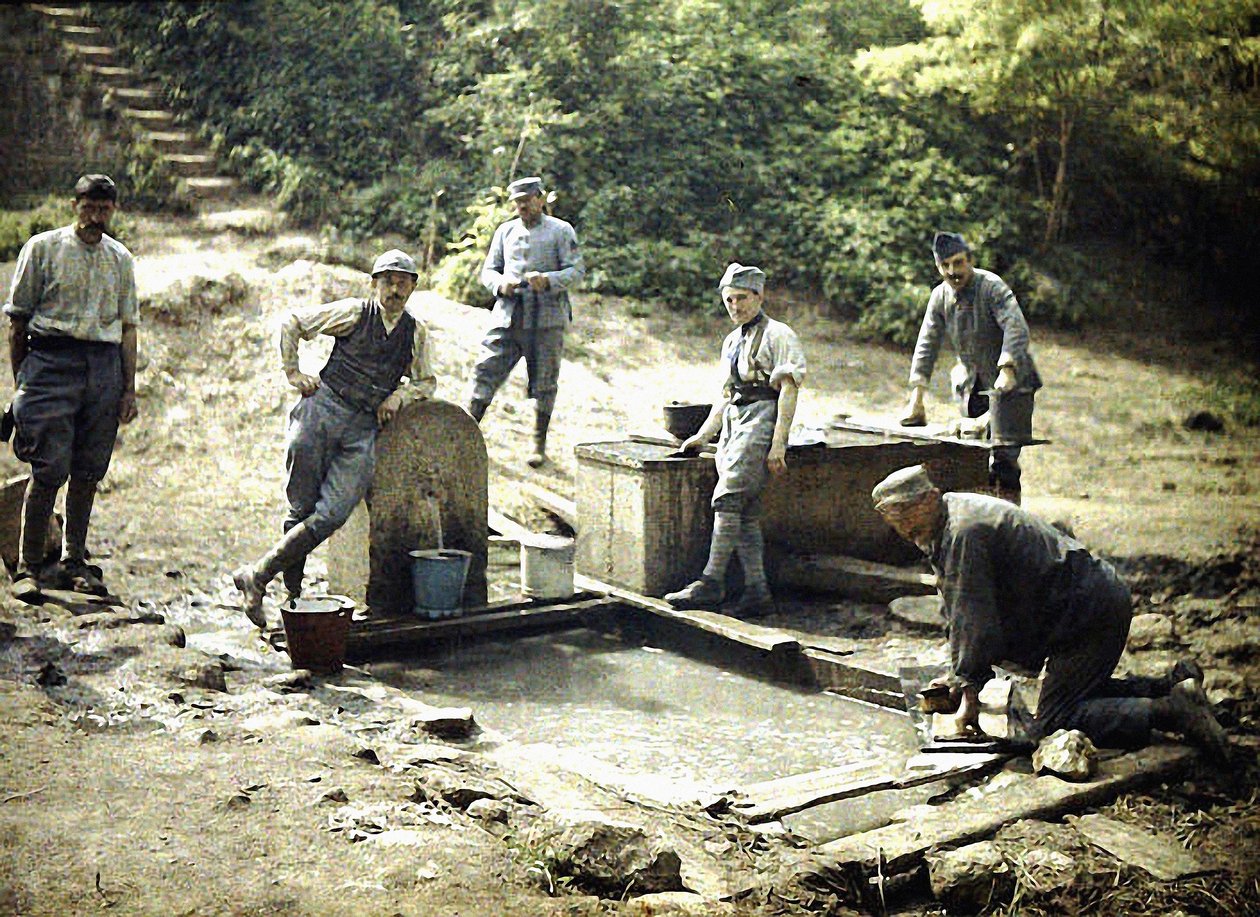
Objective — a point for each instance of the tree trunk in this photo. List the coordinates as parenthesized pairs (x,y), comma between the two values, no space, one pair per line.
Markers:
(1057,216)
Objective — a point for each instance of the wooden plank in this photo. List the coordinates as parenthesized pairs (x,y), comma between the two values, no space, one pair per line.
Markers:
(900,847)
(561,507)
(508,528)
(1158,854)
(773,799)
(769,639)
(835,672)
(397,633)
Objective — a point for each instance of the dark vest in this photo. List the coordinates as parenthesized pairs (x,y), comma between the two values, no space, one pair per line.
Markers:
(365,365)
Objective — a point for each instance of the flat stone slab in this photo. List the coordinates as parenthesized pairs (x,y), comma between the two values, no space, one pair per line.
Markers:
(899,847)
(1159,855)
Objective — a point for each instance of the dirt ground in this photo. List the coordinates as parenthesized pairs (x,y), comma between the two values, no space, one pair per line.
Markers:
(129,785)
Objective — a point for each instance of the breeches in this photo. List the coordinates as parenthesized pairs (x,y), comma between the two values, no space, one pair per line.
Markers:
(503,348)
(330,460)
(65,411)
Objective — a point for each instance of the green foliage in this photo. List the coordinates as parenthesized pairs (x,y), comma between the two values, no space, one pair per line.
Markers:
(458,274)
(150,184)
(16,226)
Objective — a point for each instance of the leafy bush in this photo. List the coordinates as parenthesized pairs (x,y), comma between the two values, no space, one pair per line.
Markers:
(16,226)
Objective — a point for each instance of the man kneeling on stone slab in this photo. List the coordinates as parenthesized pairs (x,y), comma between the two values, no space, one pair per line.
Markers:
(379,362)
(1019,593)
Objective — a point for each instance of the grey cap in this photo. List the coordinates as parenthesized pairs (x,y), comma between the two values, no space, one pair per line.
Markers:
(524,187)
(395,260)
(96,188)
(743,276)
(947,244)
(902,486)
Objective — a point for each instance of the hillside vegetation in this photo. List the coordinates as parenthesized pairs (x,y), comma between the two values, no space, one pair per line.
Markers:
(824,139)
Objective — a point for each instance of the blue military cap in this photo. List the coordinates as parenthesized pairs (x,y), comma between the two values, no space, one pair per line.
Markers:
(947,244)
(524,187)
(744,276)
(395,260)
(902,486)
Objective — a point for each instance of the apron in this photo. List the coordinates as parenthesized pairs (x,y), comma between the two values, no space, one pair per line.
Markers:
(747,429)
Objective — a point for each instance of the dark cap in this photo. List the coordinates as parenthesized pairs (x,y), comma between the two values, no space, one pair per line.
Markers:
(524,187)
(96,188)
(395,260)
(947,244)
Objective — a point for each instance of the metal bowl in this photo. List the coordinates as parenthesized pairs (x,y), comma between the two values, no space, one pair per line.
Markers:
(684,420)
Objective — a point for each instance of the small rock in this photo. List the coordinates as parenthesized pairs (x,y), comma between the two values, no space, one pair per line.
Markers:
(335,795)
(676,904)
(971,878)
(1067,753)
(207,736)
(50,675)
(174,636)
(1203,420)
(613,857)
(289,682)
(1168,486)
(446,723)
(923,612)
(494,810)
(1148,631)
(208,674)
(363,753)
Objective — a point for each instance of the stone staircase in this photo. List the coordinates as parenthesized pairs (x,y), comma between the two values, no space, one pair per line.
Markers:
(137,103)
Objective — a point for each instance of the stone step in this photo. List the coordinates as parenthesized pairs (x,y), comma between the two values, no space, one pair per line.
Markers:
(101,55)
(64,14)
(135,94)
(150,117)
(81,33)
(211,188)
(107,75)
(170,141)
(191,165)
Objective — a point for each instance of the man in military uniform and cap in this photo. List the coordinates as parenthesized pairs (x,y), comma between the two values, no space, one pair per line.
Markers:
(979,314)
(762,366)
(380,362)
(1019,593)
(532,264)
(73,316)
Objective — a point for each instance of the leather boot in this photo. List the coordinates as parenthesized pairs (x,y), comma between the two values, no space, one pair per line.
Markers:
(1010,495)
(253,580)
(1188,711)
(539,455)
(477,408)
(292,577)
(703,593)
(756,601)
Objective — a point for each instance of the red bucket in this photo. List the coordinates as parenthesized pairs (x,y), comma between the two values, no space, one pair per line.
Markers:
(315,632)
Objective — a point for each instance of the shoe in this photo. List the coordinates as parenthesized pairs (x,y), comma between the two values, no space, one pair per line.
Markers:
(915,418)
(1183,669)
(25,584)
(536,459)
(247,582)
(85,578)
(755,602)
(703,593)
(1192,712)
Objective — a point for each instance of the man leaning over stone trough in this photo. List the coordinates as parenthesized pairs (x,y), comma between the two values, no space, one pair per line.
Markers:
(380,362)
(532,264)
(979,314)
(72,347)
(1019,593)
(764,366)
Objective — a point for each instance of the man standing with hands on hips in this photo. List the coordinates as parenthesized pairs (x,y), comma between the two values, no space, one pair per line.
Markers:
(73,315)
(764,365)
(532,264)
(995,372)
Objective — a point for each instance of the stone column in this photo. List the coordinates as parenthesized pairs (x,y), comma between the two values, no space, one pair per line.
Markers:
(431,470)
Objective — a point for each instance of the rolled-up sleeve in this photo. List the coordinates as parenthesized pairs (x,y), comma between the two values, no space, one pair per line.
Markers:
(788,355)
(420,382)
(28,283)
(928,344)
(334,318)
(128,302)
(572,268)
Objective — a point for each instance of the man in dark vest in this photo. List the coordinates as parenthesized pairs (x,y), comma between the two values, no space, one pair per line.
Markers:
(379,362)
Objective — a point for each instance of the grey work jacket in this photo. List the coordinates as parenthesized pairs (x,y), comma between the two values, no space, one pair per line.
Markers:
(549,247)
(982,322)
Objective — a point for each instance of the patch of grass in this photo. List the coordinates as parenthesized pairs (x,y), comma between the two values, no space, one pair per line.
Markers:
(1236,399)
